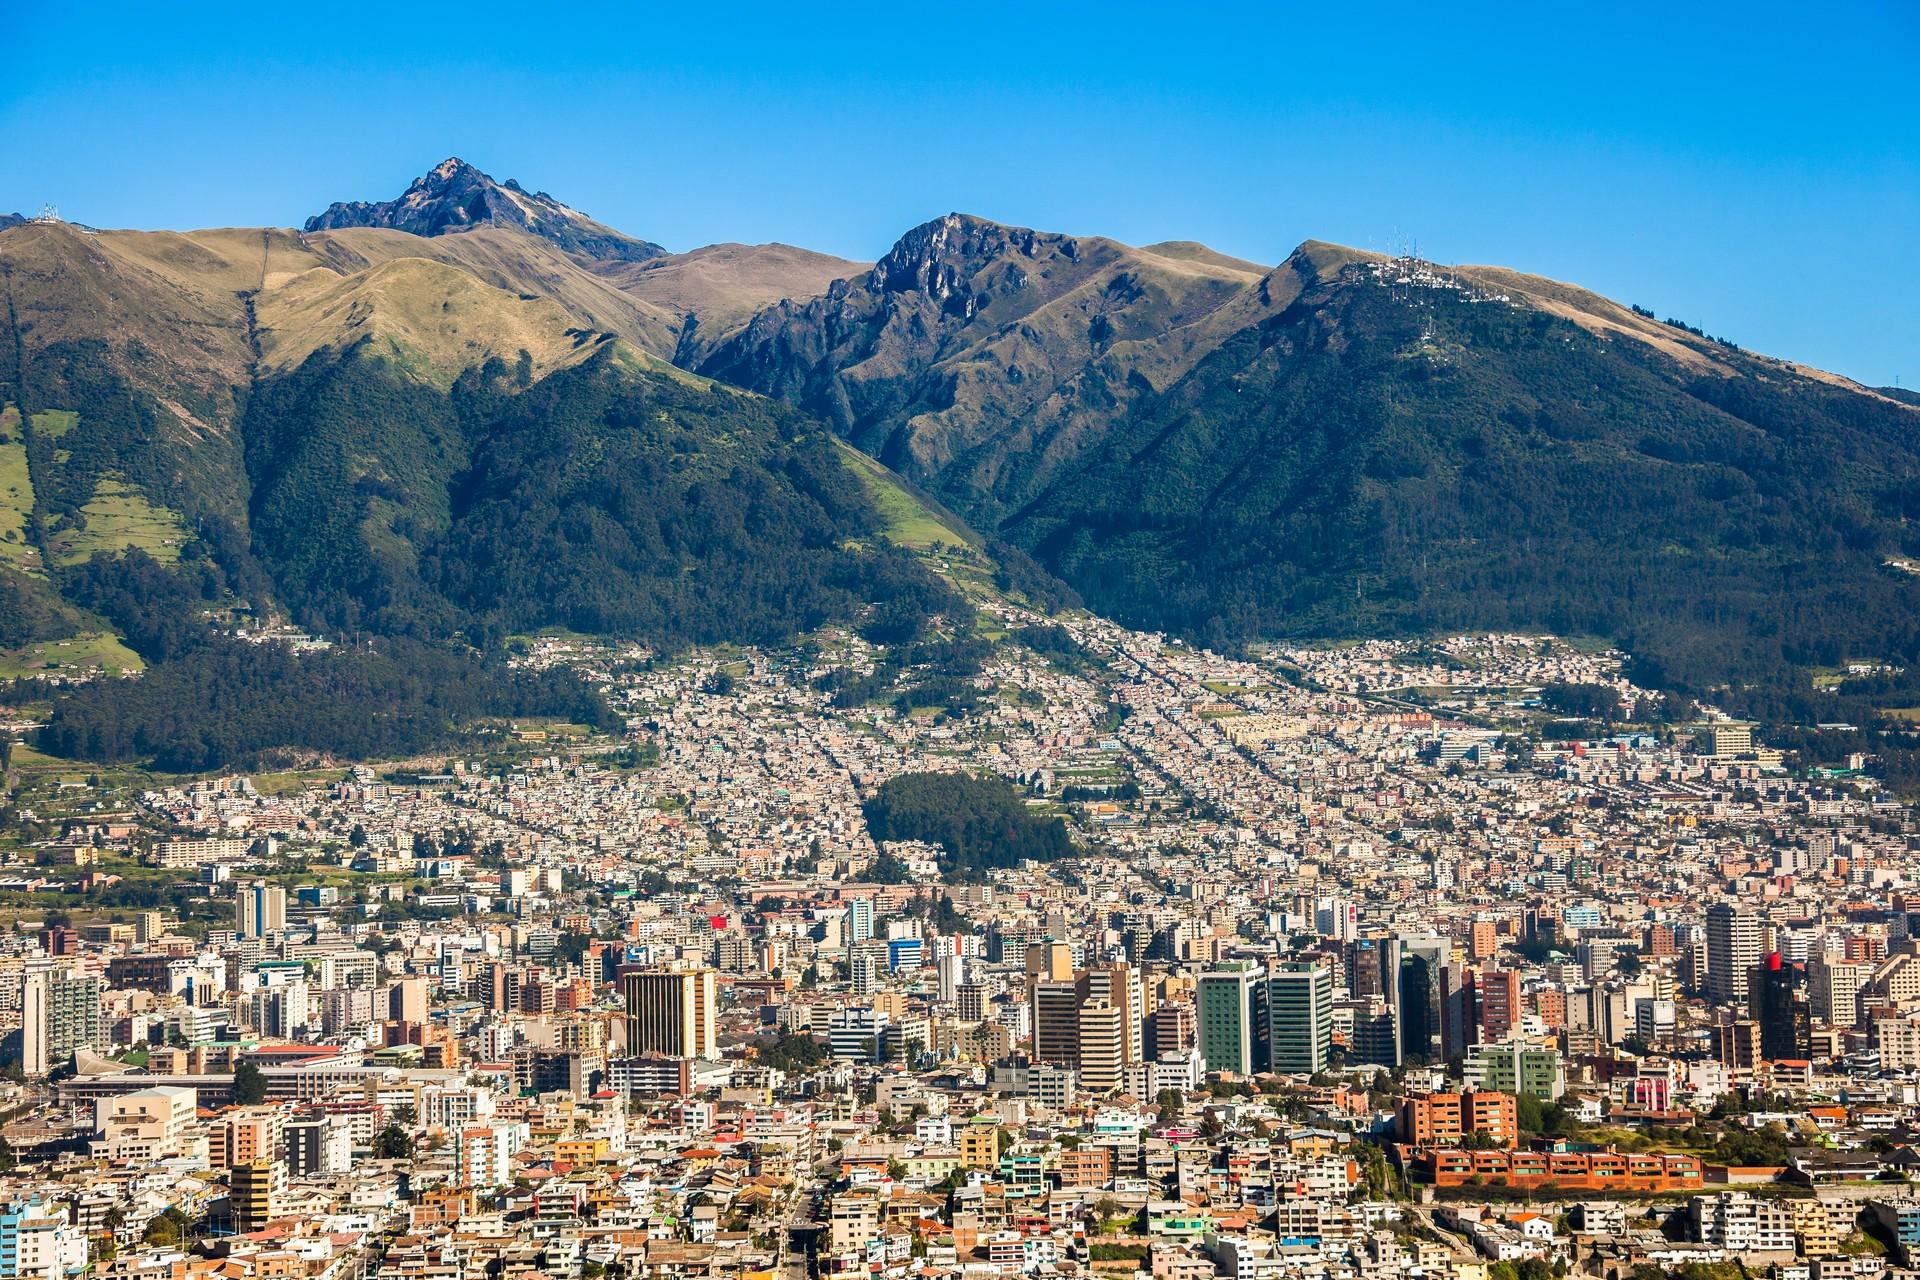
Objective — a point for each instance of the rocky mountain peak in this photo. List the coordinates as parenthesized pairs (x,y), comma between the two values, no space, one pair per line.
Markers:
(945,258)
(455,196)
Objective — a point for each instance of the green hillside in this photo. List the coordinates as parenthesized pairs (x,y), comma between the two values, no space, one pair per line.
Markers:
(611,501)
(446,419)
(1344,445)
(1358,465)
(407,452)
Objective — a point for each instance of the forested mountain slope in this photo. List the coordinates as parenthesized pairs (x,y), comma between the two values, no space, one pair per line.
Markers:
(1351,445)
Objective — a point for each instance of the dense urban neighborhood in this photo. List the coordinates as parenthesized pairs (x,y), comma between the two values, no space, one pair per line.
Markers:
(1464,958)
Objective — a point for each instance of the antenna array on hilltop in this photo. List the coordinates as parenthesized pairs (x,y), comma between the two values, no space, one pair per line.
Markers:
(1411,279)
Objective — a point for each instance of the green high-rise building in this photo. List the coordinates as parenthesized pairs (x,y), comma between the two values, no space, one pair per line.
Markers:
(1231,1004)
(1300,1018)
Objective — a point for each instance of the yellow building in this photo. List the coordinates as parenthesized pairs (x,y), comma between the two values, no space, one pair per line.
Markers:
(1725,741)
(672,1011)
(256,1193)
(980,1144)
(581,1150)
(1815,1232)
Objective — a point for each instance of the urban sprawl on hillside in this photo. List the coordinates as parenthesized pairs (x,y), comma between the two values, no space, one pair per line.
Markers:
(1463,958)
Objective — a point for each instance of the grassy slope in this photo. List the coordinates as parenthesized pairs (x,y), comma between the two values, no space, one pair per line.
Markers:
(910,521)
(434,320)
(939,537)
(54,423)
(118,517)
(17,550)
(99,651)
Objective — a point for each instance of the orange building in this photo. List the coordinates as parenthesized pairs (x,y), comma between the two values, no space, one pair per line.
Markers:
(1448,1119)
(1560,1170)
(1086,1167)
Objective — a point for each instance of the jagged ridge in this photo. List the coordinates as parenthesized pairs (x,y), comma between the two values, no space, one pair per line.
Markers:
(454,196)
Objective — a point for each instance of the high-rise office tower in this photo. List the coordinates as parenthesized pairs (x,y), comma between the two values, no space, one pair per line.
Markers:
(1056,1022)
(407,1001)
(1373,969)
(59,1012)
(1300,1015)
(260,909)
(1049,961)
(1733,949)
(1833,990)
(1459,1010)
(1119,985)
(1417,1001)
(950,971)
(860,920)
(1170,1031)
(863,971)
(1232,1008)
(673,1012)
(1102,1050)
(1778,999)
(1500,1008)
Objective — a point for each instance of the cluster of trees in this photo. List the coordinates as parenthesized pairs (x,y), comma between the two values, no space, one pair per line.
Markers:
(793,1053)
(1124,790)
(395,1142)
(249,1085)
(979,823)
(601,499)
(169,1228)
(156,610)
(227,704)
(31,611)
(1763,1147)
(1544,1117)
(915,673)
(938,911)
(1588,701)
(1056,644)
(1016,572)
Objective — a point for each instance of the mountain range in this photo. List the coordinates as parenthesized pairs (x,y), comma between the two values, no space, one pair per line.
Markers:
(472,410)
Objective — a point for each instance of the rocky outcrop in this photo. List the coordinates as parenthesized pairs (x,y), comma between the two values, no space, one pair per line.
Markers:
(454,196)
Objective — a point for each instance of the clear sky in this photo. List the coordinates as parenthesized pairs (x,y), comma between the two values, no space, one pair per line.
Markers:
(1751,168)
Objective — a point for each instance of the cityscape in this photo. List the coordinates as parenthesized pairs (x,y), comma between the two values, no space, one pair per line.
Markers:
(1366,961)
(1007,642)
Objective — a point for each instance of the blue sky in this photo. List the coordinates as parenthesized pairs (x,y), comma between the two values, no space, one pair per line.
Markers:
(1753,169)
